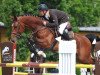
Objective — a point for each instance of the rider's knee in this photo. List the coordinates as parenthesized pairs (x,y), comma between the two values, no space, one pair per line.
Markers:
(68,35)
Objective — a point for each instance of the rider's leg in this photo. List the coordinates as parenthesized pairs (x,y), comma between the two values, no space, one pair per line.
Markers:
(66,31)
(68,35)
(65,35)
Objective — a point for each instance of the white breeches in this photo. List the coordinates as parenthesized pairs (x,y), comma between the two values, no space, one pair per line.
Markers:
(62,27)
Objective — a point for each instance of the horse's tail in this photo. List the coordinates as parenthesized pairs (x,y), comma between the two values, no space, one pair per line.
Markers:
(98,39)
(93,39)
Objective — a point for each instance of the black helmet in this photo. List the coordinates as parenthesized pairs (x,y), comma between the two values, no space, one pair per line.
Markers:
(43,7)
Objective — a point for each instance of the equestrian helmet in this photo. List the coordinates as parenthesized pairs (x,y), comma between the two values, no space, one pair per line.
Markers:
(43,7)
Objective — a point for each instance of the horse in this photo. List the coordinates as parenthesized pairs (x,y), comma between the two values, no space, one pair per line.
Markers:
(44,36)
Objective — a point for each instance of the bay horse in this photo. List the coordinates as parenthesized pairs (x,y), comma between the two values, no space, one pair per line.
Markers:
(45,36)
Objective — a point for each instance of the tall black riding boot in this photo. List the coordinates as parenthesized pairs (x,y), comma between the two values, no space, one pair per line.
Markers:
(65,36)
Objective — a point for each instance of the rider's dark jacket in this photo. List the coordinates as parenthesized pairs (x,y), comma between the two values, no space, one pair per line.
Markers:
(56,18)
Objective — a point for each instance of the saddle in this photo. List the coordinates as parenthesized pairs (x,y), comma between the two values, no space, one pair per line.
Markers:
(55,32)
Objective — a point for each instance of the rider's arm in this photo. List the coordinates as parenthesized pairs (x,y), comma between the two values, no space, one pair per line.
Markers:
(55,21)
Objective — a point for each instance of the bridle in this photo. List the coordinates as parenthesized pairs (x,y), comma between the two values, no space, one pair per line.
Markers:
(16,27)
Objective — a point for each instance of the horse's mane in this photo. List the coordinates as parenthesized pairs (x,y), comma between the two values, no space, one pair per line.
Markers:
(35,16)
(31,18)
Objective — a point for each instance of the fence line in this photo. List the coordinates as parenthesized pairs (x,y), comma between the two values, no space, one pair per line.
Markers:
(65,55)
(41,65)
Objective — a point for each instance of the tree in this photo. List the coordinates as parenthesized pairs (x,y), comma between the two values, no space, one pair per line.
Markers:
(81,11)
(9,8)
(29,6)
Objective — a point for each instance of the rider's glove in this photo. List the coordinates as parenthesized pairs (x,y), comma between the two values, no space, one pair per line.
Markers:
(44,23)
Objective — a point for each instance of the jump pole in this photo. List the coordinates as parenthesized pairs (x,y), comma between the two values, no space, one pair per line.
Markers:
(42,65)
(67,57)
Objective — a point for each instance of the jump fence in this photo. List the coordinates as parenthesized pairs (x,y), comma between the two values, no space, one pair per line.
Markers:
(8,57)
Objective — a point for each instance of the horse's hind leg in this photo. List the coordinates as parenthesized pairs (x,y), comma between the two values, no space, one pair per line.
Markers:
(85,56)
(91,60)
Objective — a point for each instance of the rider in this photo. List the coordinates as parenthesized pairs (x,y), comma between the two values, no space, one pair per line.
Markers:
(57,19)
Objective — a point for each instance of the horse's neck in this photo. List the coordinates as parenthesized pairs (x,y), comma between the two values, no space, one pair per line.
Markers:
(35,23)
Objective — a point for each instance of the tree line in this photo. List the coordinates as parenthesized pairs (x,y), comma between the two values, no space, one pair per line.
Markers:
(81,12)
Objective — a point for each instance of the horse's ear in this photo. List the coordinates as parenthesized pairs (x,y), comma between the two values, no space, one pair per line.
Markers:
(14,18)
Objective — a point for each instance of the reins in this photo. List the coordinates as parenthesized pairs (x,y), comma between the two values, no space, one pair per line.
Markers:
(37,29)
